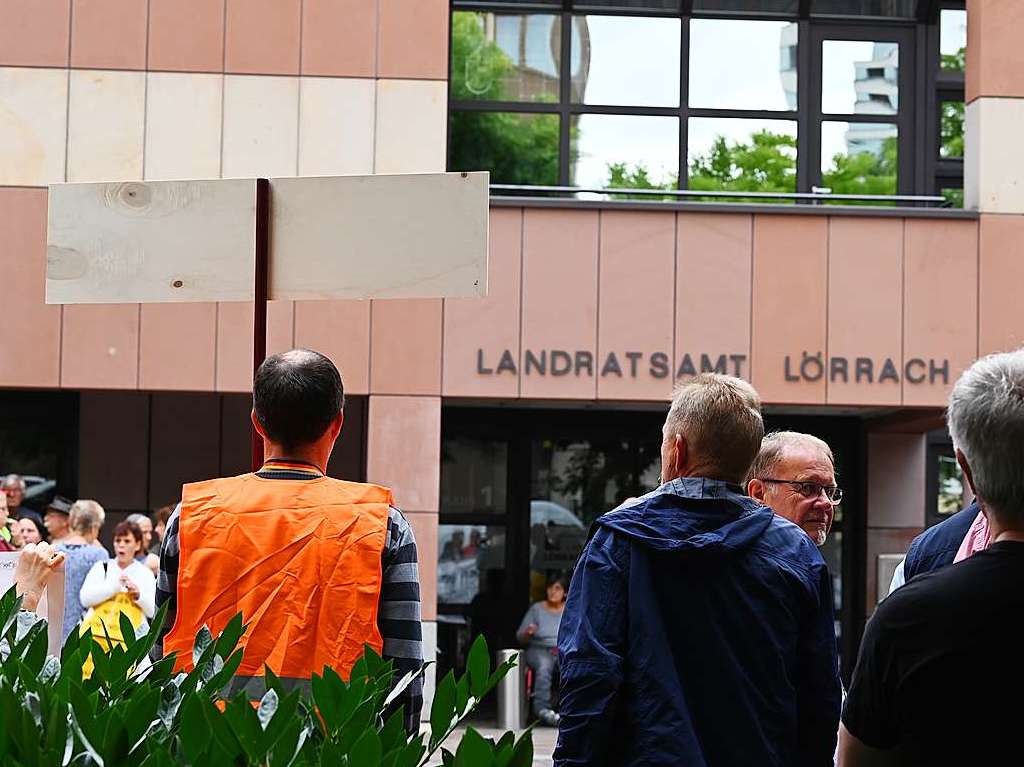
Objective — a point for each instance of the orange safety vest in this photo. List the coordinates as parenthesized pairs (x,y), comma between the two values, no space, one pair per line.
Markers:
(300,559)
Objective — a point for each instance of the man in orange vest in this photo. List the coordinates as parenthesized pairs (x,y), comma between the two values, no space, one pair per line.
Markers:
(318,567)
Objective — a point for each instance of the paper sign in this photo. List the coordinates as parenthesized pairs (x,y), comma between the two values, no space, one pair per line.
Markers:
(51,606)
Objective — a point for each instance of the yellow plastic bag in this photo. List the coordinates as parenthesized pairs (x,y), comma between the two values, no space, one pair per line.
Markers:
(103,621)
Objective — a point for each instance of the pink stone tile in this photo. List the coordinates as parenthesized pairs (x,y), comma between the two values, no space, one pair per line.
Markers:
(424,528)
(789,305)
(177,347)
(339,37)
(34,32)
(403,449)
(940,305)
(414,39)
(341,330)
(186,35)
(30,350)
(405,346)
(478,331)
(234,346)
(635,311)
(109,34)
(713,274)
(995,66)
(280,326)
(559,301)
(262,37)
(865,308)
(100,346)
(1001,278)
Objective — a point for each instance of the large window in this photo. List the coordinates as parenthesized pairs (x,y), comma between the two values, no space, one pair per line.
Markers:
(727,95)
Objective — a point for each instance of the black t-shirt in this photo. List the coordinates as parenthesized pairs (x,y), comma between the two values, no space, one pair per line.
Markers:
(940,674)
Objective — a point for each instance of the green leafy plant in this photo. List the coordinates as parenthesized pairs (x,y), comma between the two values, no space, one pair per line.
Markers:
(131,712)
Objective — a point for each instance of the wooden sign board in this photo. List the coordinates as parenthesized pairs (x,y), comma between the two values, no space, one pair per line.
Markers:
(382,236)
(51,606)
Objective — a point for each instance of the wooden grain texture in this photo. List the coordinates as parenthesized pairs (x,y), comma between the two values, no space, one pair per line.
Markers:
(150,242)
(385,236)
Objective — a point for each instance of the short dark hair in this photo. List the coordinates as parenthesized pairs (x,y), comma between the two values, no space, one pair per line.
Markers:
(296,395)
(124,529)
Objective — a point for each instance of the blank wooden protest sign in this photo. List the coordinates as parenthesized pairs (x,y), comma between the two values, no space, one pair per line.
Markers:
(387,236)
(152,241)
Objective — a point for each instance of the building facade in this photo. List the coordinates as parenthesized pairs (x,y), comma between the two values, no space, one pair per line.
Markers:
(507,424)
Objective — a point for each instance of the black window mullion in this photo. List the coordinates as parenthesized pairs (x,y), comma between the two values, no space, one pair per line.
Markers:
(565,95)
(684,96)
(909,106)
(810,105)
(803,95)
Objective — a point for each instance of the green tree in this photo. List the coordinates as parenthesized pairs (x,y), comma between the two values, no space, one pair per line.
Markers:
(864,172)
(956,62)
(515,148)
(952,128)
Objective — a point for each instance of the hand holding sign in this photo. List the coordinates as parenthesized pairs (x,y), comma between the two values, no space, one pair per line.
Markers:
(35,563)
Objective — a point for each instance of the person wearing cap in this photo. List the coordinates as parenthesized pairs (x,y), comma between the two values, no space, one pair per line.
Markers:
(57,518)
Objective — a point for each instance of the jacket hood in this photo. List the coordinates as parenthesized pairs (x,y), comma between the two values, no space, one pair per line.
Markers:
(691,515)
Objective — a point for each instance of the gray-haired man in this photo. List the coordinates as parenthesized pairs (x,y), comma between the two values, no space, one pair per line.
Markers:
(939,671)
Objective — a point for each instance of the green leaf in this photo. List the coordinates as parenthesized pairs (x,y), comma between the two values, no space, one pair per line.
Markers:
(461,695)
(355,726)
(196,735)
(267,708)
(203,641)
(367,750)
(288,744)
(140,712)
(442,711)
(474,751)
(479,667)
(328,700)
(392,735)
(228,639)
(245,726)
(522,754)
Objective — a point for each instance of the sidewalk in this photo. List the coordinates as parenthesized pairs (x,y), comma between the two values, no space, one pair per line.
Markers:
(543,741)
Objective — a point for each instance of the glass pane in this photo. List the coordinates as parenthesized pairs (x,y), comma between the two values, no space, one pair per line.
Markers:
(732,154)
(953,39)
(474,476)
(859,77)
(853,8)
(648,5)
(950,497)
(625,61)
(470,558)
(954,197)
(515,148)
(624,150)
(742,64)
(859,158)
(752,7)
(951,126)
(505,57)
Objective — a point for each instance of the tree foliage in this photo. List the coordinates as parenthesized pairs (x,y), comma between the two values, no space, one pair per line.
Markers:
(124,715)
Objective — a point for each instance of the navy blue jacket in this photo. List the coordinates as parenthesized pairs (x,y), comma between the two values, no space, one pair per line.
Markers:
(698,631)
(937,546)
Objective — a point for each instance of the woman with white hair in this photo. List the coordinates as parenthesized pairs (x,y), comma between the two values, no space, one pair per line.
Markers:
(82,550)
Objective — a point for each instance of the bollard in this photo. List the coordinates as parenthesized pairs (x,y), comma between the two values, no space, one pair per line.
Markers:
(511,693)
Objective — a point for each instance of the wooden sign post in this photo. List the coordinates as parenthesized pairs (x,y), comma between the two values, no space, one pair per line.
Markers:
(383,236)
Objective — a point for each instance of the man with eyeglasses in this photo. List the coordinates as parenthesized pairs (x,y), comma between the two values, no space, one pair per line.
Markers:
(795,475)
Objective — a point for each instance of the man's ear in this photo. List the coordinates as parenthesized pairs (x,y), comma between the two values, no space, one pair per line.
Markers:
(256,424)
(337,423)
(966,469)
(682,451)
(756,489)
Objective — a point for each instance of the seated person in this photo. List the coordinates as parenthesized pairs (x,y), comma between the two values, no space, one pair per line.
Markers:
(539,632)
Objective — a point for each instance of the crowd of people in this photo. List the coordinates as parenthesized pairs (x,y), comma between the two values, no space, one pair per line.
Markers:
(92,576)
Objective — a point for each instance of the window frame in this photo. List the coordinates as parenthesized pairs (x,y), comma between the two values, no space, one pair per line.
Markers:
(921,84)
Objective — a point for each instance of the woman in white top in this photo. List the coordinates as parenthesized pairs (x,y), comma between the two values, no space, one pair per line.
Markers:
(122,574)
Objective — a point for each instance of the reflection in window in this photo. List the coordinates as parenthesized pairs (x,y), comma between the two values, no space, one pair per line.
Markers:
(517,148)
(859,158)
(859,77)
(950,498)
(954,196)
(624,60)
(953,39)
(732,154)
(474,476)
(470,560)
(505,57)
(607,148)
(951,129)
(736,64)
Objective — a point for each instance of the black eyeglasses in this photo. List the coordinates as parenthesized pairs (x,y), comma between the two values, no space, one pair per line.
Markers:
(810,489)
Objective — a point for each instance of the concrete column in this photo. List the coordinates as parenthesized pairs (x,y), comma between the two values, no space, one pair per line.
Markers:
(403,452)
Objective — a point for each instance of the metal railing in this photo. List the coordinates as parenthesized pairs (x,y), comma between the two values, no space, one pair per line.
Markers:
(815,198)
